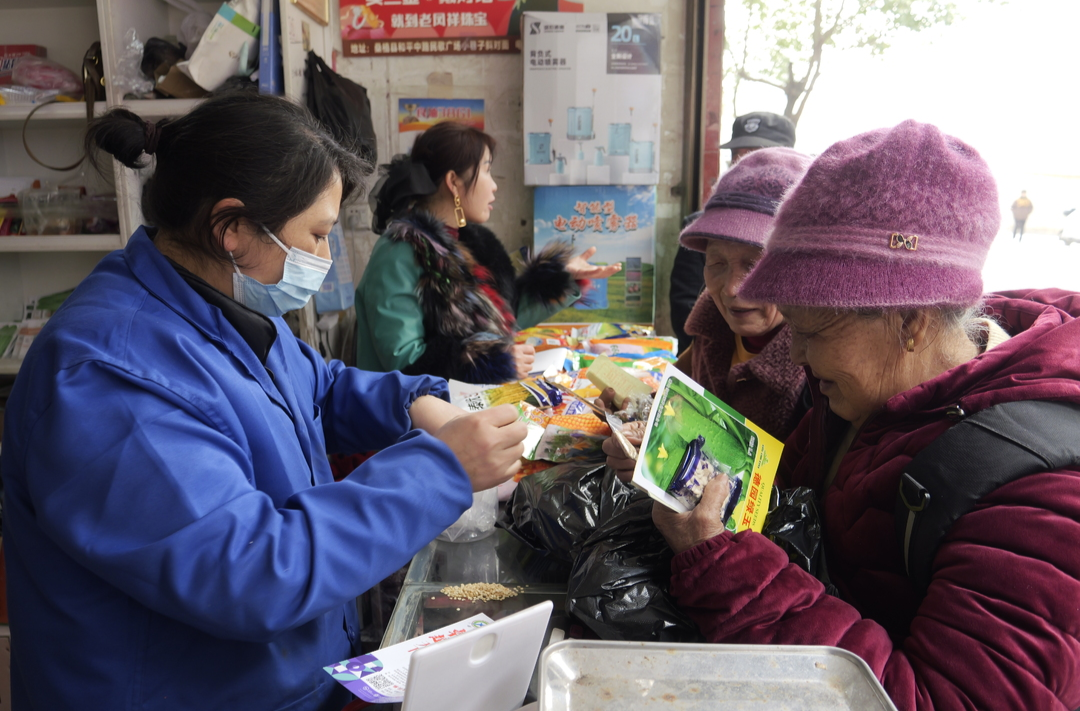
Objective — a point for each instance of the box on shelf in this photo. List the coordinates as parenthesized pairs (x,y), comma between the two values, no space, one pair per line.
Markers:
(9,53)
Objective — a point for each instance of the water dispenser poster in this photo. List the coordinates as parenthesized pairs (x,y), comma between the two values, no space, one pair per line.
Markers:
(592,98)
(620,221)
(418,115)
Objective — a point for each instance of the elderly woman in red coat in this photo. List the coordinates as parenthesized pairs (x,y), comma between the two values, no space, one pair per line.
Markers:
(740,353)
(875,261)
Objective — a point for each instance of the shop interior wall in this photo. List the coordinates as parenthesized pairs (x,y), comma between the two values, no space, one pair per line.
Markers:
(497,78)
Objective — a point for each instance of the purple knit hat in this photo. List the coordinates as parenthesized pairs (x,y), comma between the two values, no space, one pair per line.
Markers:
(894,218)
(745,199)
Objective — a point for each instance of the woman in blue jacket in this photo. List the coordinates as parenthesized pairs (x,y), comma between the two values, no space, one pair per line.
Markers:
(174,538)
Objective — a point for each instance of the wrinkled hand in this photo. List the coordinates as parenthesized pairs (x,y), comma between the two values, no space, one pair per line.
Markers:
(683,531)
(487,443)
(580,268)
(624,468)
(524,357)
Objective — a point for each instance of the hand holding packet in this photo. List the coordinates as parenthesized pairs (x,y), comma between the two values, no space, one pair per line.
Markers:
(691,437)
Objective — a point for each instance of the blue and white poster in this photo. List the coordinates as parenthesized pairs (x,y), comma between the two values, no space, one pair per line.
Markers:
(592,98)
(620,221)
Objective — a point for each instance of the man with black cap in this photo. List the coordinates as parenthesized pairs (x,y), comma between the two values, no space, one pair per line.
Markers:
(759,130)
(749,133)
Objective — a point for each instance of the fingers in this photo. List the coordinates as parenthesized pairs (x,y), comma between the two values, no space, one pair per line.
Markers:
(499,415)
(715,496)
(634,431)
(514,469)
(587,253)
(604,272)
(666,519)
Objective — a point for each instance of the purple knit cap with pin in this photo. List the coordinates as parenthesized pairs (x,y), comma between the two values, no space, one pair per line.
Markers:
(745,199)
(895,218)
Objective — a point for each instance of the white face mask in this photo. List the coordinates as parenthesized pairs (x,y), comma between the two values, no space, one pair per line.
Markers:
(303,276)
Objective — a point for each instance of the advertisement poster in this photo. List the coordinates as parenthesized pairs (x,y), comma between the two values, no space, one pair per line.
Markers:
(620,221)
(401,27)
(418,115)
(592,98)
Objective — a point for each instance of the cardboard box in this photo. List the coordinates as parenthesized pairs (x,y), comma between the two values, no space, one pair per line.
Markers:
(9,53)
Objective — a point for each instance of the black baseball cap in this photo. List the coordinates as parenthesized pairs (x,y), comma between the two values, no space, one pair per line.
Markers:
(761,130)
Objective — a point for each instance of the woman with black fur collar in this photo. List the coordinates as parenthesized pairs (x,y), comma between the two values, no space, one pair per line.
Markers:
(440,295)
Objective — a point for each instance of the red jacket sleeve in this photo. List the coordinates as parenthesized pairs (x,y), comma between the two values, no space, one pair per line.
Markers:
(998,627)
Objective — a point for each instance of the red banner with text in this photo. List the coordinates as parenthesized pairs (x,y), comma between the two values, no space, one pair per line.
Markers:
(403,27)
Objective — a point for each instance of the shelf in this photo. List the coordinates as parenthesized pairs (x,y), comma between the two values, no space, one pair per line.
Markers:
(154,109)
(75,111)
(10,366)
(40,4)
(61,243)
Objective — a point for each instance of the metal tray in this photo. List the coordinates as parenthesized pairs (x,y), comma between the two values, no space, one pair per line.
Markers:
(580,675)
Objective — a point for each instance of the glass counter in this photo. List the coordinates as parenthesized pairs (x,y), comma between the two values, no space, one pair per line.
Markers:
(499,558)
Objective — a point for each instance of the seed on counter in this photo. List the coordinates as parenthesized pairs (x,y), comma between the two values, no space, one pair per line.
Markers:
(480,592)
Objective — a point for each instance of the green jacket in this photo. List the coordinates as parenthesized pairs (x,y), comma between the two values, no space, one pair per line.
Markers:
(455,316)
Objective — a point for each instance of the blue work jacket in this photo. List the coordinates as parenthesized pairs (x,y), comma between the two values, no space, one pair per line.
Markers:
(173,535)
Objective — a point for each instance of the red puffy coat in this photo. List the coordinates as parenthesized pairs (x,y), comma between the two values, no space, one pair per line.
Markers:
(999,627)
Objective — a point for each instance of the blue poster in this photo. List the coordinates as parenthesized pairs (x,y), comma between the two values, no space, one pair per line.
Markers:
(620,221)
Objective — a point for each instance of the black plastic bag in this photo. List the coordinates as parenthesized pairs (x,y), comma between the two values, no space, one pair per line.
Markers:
(794,524)
(341,106)
(555,509)
(621,564)
(618,586)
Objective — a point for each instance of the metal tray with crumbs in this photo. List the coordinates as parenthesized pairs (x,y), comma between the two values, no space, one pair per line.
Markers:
(582,675)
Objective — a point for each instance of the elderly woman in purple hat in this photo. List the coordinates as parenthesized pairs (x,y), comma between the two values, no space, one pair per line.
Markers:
(875,261)
(740,351)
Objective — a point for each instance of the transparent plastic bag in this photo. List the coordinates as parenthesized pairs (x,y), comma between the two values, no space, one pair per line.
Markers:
(129,78)
(478,521)
(191,30)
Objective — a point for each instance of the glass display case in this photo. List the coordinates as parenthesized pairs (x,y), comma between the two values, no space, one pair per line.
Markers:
(499,558)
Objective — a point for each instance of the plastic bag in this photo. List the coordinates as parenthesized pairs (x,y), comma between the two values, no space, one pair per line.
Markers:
(555,509)
(341,106)
(229,47)
(129,78)
(192,28)
(477,522)
(618,586)
(41,73)
(794,524)
(620,562)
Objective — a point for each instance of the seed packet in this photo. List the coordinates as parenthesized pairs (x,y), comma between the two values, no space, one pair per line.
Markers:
(691,437)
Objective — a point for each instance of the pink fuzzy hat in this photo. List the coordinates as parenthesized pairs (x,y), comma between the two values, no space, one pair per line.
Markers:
(894,218)
(745,199)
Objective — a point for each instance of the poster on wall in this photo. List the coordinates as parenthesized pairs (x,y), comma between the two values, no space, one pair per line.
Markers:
(381,28)
(418,115)
(592,98)
(620,221)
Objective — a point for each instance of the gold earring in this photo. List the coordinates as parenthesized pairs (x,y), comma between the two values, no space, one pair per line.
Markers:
(909,345)
(459,214)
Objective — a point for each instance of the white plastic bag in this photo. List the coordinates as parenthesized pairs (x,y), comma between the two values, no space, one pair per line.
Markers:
(477,522)
(229,47)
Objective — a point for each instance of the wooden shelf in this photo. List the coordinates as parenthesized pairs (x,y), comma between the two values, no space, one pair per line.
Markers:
(61,243)
(10,366)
